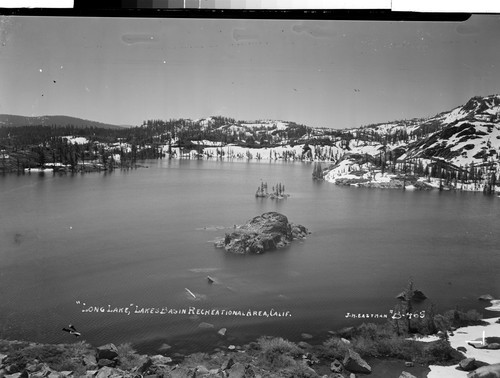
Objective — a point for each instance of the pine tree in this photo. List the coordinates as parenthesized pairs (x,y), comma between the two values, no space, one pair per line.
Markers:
(317,171)
(41,157)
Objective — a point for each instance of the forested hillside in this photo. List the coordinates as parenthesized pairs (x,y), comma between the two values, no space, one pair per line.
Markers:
(460,144)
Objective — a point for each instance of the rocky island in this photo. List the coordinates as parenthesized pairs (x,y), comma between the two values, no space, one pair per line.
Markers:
(262,233)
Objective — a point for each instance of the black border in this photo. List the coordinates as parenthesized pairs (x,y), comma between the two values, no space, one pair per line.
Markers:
(114,8)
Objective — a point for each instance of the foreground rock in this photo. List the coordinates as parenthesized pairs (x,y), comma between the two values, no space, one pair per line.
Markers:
(107,356)
(405,374)
(264,232)
(107,351)
(468,364)
(490,371)
(355,364)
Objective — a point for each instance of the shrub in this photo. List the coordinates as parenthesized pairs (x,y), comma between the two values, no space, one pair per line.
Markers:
(377,340)
(279,345)
(299,370)
(441,352)
(365,346)
(50,354)
(79,349)
(442,323)
(7,346)
(128,357)
(74,365)
(389,347)
(407,350)
(459,318)
(426,325)
(277,361)
(196,359)
(334,348)
(373,340)
(367,331)
(278,353)
(375,331)
(57,357)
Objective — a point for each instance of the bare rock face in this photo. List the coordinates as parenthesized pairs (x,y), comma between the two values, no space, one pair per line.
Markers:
(108,352)
(468,364)
(264,232)
(355,364)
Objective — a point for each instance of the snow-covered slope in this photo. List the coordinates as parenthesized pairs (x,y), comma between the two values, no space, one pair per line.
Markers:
(451,142)
(467,134)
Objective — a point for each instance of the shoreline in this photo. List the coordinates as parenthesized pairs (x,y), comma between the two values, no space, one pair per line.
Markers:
(342,174)
(309,353)
(460,339)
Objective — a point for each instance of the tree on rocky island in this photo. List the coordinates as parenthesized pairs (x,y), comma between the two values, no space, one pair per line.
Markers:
(262,190)
(277,191)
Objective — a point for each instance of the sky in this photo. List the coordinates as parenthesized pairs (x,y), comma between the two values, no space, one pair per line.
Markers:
(336,74)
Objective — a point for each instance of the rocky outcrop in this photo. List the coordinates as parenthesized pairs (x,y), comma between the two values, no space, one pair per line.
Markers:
(405,374)
(107,356)
(492,346)
(157,364)
(89,361)
(467,364)
(109,372)
(104,362)
(355,364)
(236,371)
(489,371)
(336,366)
(227,364)
(108,352)
(264,232)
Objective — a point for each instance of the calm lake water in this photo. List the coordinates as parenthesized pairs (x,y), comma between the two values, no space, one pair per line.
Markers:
(141,237)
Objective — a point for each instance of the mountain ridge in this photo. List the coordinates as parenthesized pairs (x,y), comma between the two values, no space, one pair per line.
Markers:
(467,135)
(13,120)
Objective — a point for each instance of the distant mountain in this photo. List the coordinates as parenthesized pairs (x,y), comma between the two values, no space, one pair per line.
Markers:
(459,148)
(467,134)
(58,120)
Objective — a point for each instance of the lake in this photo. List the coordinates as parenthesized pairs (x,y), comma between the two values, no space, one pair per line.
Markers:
(73,244)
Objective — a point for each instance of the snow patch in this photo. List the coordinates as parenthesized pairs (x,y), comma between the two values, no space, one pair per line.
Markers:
(77,140)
